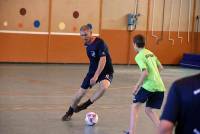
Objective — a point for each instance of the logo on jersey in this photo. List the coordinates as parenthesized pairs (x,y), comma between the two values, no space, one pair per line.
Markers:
(196,131)
(103,53)
(196,92)
(149,55)
(93,53)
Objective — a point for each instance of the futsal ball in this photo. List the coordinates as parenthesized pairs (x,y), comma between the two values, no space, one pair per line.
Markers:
(91,118)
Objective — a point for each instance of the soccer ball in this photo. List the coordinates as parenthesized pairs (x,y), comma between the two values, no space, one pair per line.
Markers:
(91,118)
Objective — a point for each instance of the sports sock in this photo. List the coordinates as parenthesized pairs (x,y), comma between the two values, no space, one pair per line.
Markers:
(88,103)
(70,111)
(83,105)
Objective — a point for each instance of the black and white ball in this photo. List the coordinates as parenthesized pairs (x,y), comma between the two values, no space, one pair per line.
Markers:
(91,118)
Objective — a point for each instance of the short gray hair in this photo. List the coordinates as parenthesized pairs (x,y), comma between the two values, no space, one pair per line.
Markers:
(86,27)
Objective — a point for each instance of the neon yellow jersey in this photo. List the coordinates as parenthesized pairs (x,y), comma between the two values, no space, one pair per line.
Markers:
(147,60)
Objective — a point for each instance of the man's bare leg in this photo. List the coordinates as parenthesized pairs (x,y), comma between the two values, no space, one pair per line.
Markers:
(78,96)
(104,84)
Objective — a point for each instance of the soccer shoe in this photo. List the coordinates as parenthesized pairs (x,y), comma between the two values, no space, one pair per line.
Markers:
(67,117)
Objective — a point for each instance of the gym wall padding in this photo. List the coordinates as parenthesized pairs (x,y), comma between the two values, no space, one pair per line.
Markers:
(58,40)
(23,47)
(70,48)
(62,11)
(35,10)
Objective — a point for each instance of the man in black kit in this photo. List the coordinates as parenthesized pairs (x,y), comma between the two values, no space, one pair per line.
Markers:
(100,71)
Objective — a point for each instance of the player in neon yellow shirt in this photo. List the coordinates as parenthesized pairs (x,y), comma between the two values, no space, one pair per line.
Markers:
(150,87)
(146,60)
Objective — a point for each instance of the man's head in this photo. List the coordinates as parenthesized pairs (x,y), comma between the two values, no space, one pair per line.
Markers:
(86,33)
(138,42)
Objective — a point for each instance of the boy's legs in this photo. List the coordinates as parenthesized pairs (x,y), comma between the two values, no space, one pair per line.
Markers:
(141,97)
(135,107)
(154,102)
(152,115)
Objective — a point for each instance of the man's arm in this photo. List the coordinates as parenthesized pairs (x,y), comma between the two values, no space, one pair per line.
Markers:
(170,112)
(166,127)
(100,68)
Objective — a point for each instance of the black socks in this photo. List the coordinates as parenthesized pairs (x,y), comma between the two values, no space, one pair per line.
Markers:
(83,106)
(68,114)
(87,103)
(70,111)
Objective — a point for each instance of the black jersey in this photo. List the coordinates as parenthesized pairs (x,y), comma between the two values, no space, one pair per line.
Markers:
(95,50)
(183,105)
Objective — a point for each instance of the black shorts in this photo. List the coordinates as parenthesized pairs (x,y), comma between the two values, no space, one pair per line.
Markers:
(152,99)
(86,82)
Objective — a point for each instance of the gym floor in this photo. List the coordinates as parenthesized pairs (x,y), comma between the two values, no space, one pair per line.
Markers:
(34,97)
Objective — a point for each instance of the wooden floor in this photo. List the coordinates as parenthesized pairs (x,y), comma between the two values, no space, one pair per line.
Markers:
(33,98)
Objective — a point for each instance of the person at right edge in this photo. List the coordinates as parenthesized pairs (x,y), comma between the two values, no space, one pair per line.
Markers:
(182,108)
